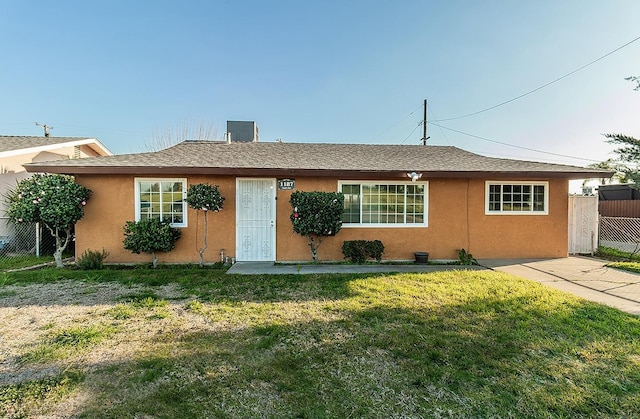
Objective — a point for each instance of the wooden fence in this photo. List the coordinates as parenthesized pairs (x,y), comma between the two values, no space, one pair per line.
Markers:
(622,208)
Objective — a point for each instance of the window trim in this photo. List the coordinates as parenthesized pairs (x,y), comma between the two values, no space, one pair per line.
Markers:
(388,225)
(137,181)
(490,183)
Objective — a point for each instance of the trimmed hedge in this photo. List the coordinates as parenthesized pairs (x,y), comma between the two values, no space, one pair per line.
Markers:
(358,251)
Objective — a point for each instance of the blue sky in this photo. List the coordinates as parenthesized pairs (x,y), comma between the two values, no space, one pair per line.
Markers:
(330,71)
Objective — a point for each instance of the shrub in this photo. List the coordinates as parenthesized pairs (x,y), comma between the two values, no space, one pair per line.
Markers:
(316,215)
(375,249)
(358,251)
(91,259)
(466,258)
(150,236)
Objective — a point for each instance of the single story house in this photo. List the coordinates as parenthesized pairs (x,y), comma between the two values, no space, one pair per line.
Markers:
(436,199)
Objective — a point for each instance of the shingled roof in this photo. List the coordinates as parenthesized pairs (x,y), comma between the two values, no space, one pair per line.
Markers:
(12,144)
(311,159)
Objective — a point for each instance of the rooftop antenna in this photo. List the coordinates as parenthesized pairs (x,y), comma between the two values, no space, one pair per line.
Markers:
(46,128)
(424,125)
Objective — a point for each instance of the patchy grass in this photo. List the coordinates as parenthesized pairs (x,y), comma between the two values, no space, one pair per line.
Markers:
(60,344)
(454,344)
(18,400)
(189,276)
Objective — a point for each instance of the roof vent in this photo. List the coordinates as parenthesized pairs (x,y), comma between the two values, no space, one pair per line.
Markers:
(243,131)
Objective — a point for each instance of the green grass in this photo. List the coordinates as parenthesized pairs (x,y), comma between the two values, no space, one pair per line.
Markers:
(65,343)
(617,255)
(453,344)
(626,266)
(17,262)
(620,260)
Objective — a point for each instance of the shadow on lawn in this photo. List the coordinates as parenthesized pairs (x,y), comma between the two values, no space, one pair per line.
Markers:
(515,356)
(71,287)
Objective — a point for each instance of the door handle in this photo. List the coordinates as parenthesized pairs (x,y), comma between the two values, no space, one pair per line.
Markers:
(272,223)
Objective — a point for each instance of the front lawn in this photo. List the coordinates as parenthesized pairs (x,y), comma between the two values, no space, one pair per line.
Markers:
(184,342)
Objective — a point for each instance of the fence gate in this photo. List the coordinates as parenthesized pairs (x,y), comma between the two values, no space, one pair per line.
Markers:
(583,224)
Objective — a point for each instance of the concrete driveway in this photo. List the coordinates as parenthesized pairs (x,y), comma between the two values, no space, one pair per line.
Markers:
(585,277)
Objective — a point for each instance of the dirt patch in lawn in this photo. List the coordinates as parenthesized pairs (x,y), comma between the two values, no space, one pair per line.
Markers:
(47,329)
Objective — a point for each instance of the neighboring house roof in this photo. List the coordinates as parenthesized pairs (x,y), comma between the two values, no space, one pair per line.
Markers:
(16,145)
(358,161)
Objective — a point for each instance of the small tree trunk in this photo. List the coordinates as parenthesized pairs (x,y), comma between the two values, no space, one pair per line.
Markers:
(60,245)
(314,247)
(57,255)
(205,241)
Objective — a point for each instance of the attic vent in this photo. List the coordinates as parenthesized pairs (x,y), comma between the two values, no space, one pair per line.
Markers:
(243,131)
(76,152)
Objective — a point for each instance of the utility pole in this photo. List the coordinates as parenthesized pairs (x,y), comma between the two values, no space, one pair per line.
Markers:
(46,128)
(424,125)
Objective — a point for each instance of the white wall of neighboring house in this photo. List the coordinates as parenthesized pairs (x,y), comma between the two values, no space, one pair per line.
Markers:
(11,170)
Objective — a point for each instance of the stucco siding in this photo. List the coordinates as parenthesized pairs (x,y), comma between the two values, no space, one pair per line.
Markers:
(456,219)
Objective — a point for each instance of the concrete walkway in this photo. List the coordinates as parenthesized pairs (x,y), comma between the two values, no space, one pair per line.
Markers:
(269,268)
(585,277)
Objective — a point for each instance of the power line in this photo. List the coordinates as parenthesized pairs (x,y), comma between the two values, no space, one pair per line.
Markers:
(541,87)
(411,133)
(402,120)
(511,145)
(441,130)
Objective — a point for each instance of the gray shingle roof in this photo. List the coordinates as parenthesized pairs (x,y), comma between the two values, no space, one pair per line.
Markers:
(360,160)
(12,142)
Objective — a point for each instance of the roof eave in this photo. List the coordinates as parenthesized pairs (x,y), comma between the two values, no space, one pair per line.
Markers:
(92,143)
(278,172)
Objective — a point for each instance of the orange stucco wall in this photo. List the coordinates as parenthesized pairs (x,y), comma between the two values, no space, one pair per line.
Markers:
(456,219)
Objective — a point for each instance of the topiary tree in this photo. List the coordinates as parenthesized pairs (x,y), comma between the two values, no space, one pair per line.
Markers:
(150,235)
(53,200)
(204,197)
(316,215)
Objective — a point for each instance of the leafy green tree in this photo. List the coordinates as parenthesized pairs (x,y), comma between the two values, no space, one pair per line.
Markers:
(612,166)
(150,235)
(316,215)
(205,198)
(628,156)
(56,201)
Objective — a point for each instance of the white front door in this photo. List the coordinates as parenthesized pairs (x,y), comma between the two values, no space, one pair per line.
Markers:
(255,219)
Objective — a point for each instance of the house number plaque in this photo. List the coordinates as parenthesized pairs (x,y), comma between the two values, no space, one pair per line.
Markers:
(286,184)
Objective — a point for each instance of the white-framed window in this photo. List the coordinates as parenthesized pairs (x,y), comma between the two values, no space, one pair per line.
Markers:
(517,198)
(384,204)
(161,198)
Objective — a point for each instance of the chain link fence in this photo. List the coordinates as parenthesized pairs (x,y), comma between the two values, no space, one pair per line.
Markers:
(20,239)
(620,233)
